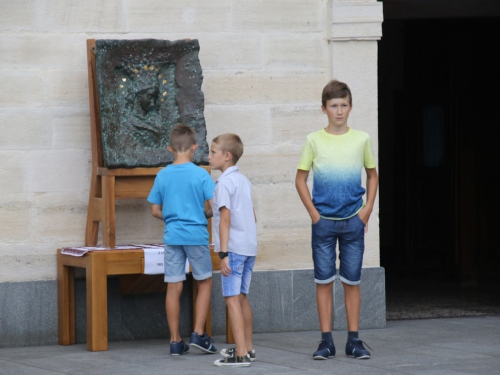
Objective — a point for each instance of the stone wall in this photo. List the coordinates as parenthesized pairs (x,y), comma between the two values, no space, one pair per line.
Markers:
(264,66)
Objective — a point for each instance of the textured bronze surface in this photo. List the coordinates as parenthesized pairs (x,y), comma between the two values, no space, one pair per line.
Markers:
(146,87)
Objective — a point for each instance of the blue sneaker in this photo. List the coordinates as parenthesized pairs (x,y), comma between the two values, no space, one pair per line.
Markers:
(354,348)
(325,350)
(178,348)
(203,343)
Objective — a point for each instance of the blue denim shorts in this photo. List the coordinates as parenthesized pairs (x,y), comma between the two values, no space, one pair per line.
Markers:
(175,262)
(238,282)
(350,234)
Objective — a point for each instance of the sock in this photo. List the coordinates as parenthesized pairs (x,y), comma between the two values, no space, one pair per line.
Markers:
(327,336)
(352,335)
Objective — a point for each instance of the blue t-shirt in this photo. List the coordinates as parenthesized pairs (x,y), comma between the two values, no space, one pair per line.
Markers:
(337,162)
(182,190)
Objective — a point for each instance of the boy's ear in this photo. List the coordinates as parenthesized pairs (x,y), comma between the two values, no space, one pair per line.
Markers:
(323,108)
(169,148)
(194,147)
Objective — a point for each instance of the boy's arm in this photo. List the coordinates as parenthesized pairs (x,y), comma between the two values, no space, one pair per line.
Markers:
(371,193)
(305,195)
(156,211)
(224,225)
(209,211)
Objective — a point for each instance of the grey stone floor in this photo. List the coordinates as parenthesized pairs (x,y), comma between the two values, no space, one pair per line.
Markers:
(422,346)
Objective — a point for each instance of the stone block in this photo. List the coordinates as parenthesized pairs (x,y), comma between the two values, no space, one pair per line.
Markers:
(12,171)
(68,88)
(26,129)
(16,211)
(291,124)
(43,51)
(242,120)
(175,16)
(21,89)
(18,15)
(279,15)
(280,207)
(241,51)
(305,312)
(73,15)
(60,216)
(270,168)
(51,171)
(308,51)
(263,88)
(28,266)
(71,129)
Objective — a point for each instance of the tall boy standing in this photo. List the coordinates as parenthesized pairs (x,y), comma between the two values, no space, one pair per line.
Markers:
(337,155)
(178,198)
(236,241)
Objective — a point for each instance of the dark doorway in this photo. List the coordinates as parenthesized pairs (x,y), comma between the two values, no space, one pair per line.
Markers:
(439,158)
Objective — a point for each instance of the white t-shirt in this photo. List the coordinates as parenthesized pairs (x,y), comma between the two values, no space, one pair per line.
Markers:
(234,191)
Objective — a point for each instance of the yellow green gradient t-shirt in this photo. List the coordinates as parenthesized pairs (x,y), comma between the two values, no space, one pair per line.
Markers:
(337,162)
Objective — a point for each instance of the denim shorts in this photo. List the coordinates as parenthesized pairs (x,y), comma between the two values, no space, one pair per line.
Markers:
(238,281)
(175,262)
(350,234)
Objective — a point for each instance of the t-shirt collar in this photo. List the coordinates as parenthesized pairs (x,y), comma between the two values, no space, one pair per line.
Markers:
(234,168)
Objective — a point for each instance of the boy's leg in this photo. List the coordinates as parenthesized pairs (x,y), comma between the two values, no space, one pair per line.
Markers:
(201,263)
(175,264)
(237,321)
(352,306)
(202,304)
(248,321)
(172,307)
(324,241)
(324,303)
(351,248)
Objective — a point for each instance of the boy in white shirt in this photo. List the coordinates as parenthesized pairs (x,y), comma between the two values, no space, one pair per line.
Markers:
(236,241)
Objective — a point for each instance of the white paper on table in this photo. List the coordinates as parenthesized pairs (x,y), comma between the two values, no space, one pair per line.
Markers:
(153,260)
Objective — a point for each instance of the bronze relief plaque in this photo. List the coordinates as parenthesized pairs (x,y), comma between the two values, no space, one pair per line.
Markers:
(146,87)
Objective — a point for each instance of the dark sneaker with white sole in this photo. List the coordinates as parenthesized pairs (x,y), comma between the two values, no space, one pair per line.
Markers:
(354,348)
(178,348)
(232,351)
(325,350)
(234,360)
(203,343)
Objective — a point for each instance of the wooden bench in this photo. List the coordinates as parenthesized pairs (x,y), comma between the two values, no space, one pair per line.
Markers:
(98,266)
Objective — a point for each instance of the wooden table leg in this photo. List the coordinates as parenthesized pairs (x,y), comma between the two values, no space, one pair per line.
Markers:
(65,302)
(97,302)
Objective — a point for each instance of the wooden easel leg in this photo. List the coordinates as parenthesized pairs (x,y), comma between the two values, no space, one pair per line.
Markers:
(97,303)
(66,302)
(108,211)
(93,212)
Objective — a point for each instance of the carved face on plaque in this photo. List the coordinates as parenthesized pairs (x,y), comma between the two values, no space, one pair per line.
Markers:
(146,87)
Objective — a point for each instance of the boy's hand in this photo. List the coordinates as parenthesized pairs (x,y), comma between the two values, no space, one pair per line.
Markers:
(224,267)
(315,216)
(364,215)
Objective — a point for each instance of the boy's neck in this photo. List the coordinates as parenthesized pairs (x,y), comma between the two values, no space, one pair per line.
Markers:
(336,130)
(182,158)
(226,166)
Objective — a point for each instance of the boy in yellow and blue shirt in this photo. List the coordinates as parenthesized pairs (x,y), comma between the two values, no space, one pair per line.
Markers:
(337,154)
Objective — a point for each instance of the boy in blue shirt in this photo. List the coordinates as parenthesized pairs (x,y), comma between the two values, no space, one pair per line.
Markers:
(337,154)
(236,242)
(178,198)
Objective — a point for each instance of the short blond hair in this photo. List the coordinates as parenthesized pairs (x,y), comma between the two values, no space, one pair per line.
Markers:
(231,143)
(182,138)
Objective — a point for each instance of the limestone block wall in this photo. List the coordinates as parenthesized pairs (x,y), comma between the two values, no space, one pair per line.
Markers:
(264,65)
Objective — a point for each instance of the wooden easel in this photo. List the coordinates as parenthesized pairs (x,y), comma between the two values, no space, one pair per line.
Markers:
(108,184)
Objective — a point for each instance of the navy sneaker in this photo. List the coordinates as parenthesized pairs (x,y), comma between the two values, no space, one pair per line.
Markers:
(354,348)
(178,348)
(325,350)
(203,343)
